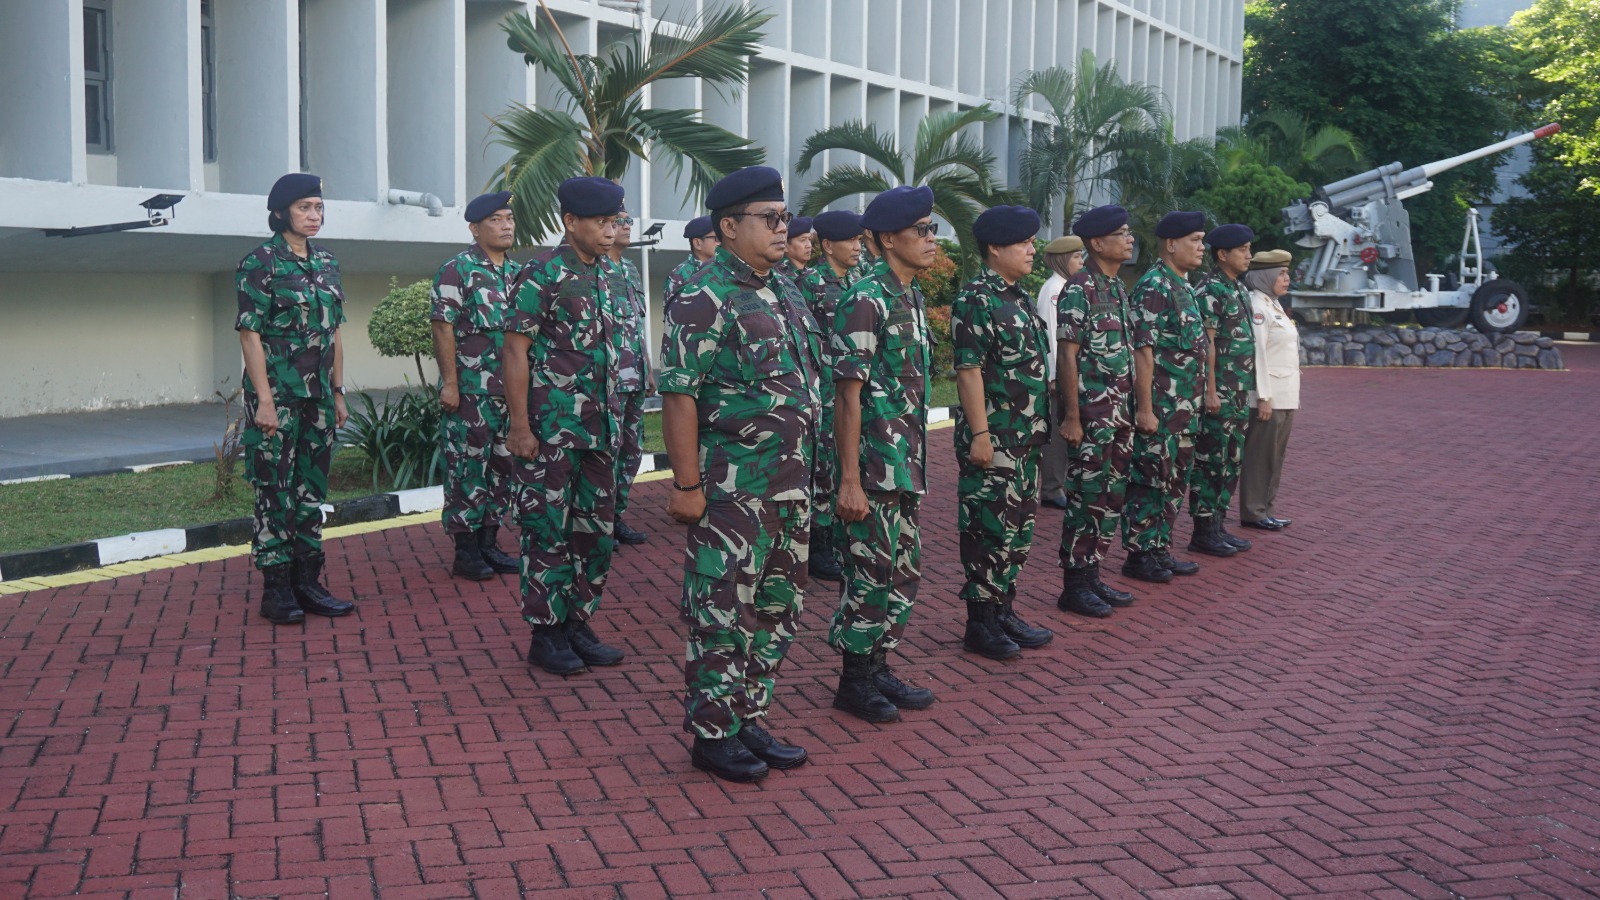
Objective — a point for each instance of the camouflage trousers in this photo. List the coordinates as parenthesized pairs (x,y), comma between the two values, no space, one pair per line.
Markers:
(1218,454)
(564,505)
(882,569)
(824,472)
(1096,486)
(1158,478)
(632,450)
(478,467)
(290,474)
(743,583)
(995,512)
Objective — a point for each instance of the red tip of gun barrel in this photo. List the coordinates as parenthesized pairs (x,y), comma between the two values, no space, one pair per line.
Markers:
(1548,130)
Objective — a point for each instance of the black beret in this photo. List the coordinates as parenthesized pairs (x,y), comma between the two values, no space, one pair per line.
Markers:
(897,208)
(698,227)
(291,187)
(838,225)
(485,205)
(1229,237)
(749,185)
(1180,224)
(1099,222)
(801,226)
(1000,226)
(590,196)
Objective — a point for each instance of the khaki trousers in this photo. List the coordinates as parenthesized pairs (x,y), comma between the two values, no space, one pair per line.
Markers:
(1053,464)
(1264,446)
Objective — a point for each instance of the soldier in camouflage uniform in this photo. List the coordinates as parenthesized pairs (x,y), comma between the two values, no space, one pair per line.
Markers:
(868,260)
(740,357)
(470,302)
(291,307)
(560,366)
(822,285)
(880,356)
(703,243)
(1169,359)
(1219,448)
(634,380)
(1094,364)
(1002,425)
(797,251)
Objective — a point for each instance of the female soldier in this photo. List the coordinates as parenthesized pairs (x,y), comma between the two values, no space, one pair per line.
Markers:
(1064,258)
(1277,393)
(291,304)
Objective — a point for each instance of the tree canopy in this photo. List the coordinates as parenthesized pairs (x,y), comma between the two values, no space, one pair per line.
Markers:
(1561,40)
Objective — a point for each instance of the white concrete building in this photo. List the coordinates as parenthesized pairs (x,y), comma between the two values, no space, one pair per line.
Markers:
(104,103)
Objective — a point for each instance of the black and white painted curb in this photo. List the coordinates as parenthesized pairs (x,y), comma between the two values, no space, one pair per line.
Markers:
(167,541)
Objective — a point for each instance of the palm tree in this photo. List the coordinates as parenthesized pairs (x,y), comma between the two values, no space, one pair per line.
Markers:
(606,124)
(955,165)
(1158,177)
(1095,119)
(1287,140)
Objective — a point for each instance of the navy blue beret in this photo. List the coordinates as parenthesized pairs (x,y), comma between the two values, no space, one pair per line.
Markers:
(749,185)
(590,196)
(698,227)
(291,187)
(1100,221)
(485,205)
(897,208)
(837,225)
(1180,224)
(1229,237)
(1000,226)
(802,225)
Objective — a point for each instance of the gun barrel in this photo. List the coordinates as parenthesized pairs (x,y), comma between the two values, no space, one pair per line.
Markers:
(1367,177)
(1431,169)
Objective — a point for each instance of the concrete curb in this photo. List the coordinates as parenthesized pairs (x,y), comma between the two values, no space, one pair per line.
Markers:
(147,544)
(1591,336)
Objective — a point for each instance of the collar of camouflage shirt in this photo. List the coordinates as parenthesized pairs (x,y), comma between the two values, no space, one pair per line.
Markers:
(282,250)
(741,270)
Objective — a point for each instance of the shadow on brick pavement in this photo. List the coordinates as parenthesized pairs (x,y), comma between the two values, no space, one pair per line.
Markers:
(1400,695)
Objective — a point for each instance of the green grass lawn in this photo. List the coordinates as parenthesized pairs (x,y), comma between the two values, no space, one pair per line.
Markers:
(50,513)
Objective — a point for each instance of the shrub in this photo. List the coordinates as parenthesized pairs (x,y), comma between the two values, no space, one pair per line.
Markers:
(400,326)
(400,438)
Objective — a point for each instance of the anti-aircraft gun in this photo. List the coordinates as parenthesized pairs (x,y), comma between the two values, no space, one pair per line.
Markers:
(1360,237)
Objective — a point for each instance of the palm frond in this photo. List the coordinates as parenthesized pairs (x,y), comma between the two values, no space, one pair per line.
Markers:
(941,133)
(546,149)
(1056,86)
(717,48)
(838,183)
(854,137)
(540,45)
(681,140)
(950,201)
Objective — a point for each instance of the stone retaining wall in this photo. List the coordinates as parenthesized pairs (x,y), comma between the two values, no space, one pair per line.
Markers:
(1376,345)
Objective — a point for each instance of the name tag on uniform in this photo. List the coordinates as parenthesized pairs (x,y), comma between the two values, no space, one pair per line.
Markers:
(747,303)
(1103,309)
(899,317)
(574,287)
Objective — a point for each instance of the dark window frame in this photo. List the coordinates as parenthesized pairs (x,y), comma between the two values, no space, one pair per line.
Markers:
(97,78)
(208,79)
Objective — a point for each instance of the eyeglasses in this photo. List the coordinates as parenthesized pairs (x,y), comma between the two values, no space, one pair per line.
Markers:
(772,217)
(623,221)
(926,228)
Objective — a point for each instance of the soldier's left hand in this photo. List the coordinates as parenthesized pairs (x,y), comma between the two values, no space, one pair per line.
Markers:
(1213,402)
(981,453)
(341,412)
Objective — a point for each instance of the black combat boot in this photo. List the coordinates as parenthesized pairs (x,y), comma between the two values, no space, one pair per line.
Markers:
(489,549)
(469,563)
(1106,592)
(626,534)
(581,638)
(824,563)
(1238,543)
(551,652)
(1078,597)
(1145,567)
(308,589)
(1021,633)
(898,692)
(769,749)
(277,597)
(728,759)
(1207,540)
(858,695)
(984,634)
(1165,560)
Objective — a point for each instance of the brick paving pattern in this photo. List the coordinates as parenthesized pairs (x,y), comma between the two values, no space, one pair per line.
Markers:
(1398,696)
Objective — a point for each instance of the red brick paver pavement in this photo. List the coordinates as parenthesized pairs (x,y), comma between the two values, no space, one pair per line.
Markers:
(1399,696)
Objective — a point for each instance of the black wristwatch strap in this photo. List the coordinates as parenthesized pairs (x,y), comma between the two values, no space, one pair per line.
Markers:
(686,489)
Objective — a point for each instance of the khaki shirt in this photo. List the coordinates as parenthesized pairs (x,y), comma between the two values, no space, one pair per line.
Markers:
(1277,354)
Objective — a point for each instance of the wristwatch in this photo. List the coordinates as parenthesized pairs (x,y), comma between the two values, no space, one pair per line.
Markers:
(339,390)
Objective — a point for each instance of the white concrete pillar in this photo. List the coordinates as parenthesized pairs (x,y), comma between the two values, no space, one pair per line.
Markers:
(41,105)
(427,96)
(346,97)
(258,92)
(156,94)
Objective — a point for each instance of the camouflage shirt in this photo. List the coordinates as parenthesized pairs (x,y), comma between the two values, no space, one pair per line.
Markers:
(1092,312)
(1225,309)
(822,289)
(996,328)
(748,351)
(565,308)
(297,306)
(631,308)
(473,295)
(679,276)
(1167,317)
(862,268)
(880,338)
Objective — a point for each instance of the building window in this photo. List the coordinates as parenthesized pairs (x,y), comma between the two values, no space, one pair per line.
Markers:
(208,78)
(97,75)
